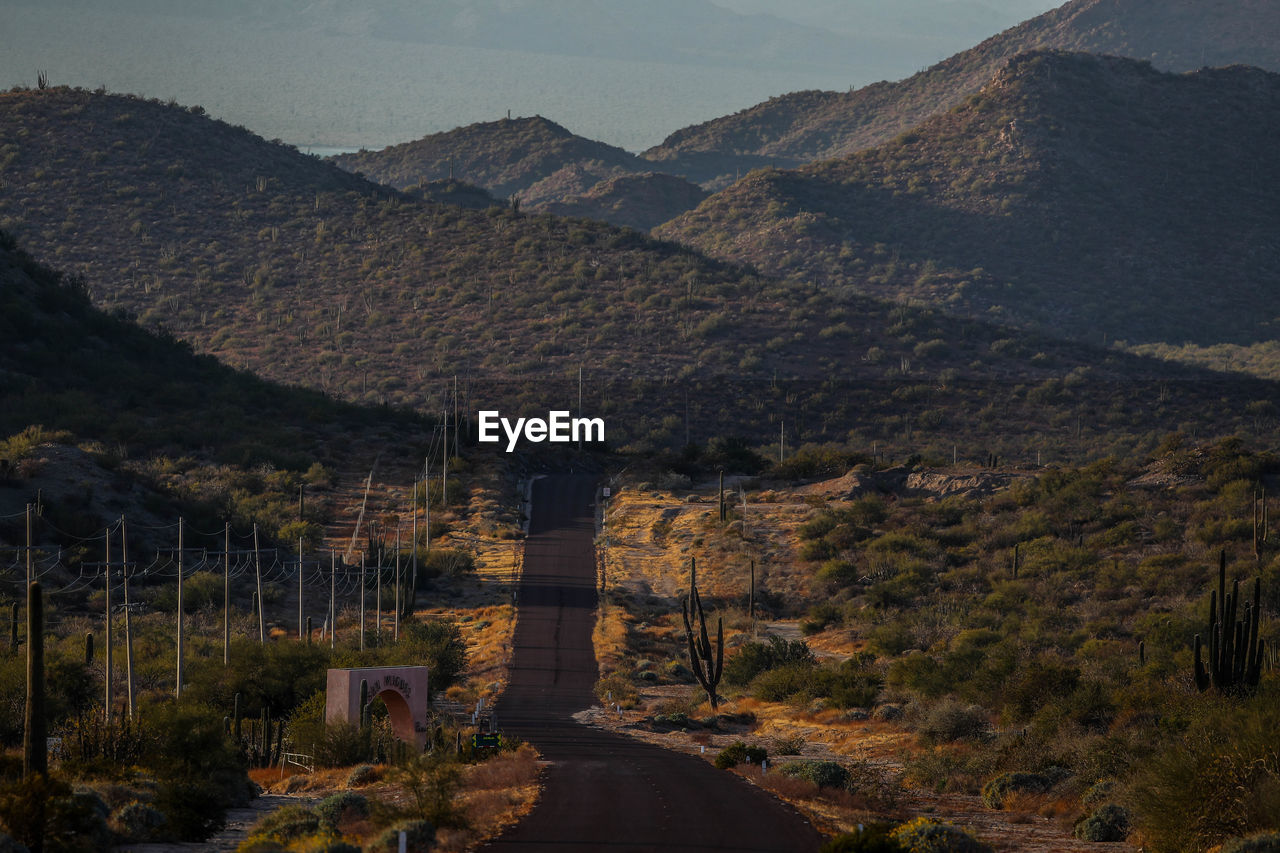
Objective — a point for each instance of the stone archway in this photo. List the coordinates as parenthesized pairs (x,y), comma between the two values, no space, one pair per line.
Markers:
(403,689)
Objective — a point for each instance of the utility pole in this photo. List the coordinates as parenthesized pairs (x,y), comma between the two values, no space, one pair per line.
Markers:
(414,534)
(177,691)
(29,576)
(377,607)
(301,620)
(226,594)
(362,604)
(109,692)
(333,590)
(395,636)
(257,569)
(128,617)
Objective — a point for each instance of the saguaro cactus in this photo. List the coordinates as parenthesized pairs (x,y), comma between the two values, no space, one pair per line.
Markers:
(1234,664)
(35,756)
(707,662)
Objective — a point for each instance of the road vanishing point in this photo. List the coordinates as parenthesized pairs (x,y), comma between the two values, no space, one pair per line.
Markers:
(606,791)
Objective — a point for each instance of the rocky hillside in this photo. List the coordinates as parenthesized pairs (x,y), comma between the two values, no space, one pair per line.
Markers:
(639,201)
(505,157)
(1174,35)
(1091,197)
(285,265)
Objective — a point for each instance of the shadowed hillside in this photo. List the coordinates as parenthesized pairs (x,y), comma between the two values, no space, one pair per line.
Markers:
(1092,197)
(1179,35)
(639,201)
(311,276)
(505,157)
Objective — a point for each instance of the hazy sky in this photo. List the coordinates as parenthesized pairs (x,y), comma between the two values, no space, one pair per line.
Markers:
(330,73)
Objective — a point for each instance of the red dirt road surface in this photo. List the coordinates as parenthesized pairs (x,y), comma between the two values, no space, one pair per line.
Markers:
(605,791)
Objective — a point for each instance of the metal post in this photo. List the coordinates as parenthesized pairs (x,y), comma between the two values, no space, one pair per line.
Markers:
(128,617)
(257,566)
(226,594)
(177,690)
(108,685)
(300,610)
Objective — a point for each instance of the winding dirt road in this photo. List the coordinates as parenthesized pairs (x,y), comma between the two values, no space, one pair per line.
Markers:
(606,791)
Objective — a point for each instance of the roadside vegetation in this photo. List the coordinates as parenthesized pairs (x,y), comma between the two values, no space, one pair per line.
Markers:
(1031,644)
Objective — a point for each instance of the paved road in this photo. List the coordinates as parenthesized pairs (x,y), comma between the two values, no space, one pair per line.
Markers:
(606,791)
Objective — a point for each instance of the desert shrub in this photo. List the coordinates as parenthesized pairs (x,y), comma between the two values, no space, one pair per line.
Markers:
(1221,779)
(871,838)
(430,782)
(1097,793)
(364,774)
(887,713)
(824,774)
(616,688)
(788,746)
(784,682)
(948,721)
(751,659)
(336,808)
(924,835)
(283,826)
(1109,823)
(995,792)
(839,573)
(819,617)
(435,643)
(740,753)
(46,805)
(138,821)
(278,676)
(849,684)
(677,671)
(419,834)
(1262,842)
(200,773)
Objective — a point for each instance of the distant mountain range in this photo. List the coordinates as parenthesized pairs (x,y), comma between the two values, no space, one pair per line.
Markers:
(1088,196)
(283,264)
(541,165)
(803,127)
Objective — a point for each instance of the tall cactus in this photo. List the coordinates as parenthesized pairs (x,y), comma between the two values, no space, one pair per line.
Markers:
(707,662)
(35,756)
(1235,653)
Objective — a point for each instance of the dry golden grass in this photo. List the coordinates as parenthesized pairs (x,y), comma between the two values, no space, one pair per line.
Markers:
(652,540)
(493,795)
(610,637)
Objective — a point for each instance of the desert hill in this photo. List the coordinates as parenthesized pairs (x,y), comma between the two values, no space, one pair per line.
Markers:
(540,165)
(505,157)
(639,201)
(1179,35)
(1087,196)
(315,277)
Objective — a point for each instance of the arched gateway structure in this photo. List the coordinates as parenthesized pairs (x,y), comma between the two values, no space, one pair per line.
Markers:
(402,688)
